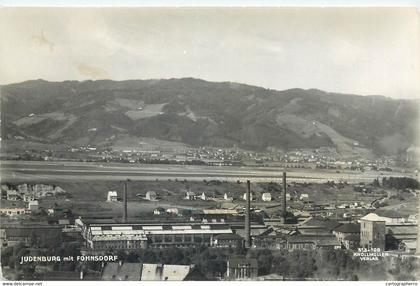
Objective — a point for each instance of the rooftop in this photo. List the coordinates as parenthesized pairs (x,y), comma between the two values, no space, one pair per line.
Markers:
(372,217)
(348,228)
(124,272)
(164,272)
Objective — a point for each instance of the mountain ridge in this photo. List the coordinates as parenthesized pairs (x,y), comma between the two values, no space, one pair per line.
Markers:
(198,112)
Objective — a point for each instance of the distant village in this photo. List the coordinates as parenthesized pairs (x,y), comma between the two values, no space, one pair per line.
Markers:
(321,158)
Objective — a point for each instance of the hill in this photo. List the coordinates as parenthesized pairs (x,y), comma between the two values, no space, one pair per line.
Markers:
(198,113)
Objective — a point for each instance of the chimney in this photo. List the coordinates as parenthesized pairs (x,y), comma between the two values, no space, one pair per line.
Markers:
(284,196)
(125,202)
(247,216)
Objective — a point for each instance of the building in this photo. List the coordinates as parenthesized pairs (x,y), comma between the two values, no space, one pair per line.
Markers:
(42,188)
(266,197)
(372,232)
(311,242)
(318,226)
(112,196)
(227,197)
(392,217)
(102,237)
(269,242)
(205,196)
(33,206)
(151,196)
(241,269)
(12,211)
(190,195)
(159,211)
(348,235)
(173,211)
(106,237)
(304,197)
(29,197)
(23,188)
(40,235)
(12,195)
(220,211)
(227,240)
(251,196)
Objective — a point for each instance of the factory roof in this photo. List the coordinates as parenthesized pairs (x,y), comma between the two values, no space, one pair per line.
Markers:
(348,228)
(229,236)
(352,237)
(317,223)
(319,240)
(129,230)
(373,217)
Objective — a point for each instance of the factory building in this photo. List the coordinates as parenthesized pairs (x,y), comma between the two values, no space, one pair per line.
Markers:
(372,232)
(112,196)
(102,237)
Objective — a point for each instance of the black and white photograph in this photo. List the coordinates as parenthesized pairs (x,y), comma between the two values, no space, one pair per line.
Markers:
(209,143)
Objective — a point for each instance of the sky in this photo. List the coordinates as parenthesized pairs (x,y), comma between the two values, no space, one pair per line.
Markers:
(348,50)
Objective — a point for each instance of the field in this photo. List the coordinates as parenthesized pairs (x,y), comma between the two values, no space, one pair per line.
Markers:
(89,183)
(78,171)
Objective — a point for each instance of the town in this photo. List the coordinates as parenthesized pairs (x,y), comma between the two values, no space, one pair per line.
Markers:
(246,229)
(320,158)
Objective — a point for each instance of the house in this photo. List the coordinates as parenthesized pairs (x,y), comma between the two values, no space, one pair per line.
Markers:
(227,197)
(190,195)
(172,211)
(266,197)
(112,196)
(12,211)
(151,196)
(159,211)
(206,196)
(241,269)
(13,208)
(251,196)
(29,197)
(33,206)
(304,197)
(23,188)
(12,195)
(58,212)
(227,240)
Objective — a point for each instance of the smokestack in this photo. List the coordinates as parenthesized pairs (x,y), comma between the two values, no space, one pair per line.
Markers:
(125,202)
(247,214)
(284,196)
